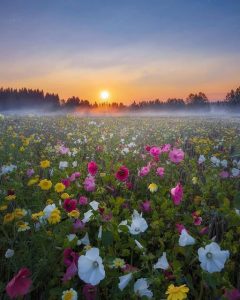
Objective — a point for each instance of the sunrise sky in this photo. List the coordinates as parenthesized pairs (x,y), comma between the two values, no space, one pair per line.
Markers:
(134,49)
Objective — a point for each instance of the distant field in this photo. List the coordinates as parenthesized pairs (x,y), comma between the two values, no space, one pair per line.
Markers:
(132,188)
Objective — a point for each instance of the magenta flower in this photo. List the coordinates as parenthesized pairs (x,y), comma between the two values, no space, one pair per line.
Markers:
(122,174)
(92,168)
(147,148)
(89,184)
(144,171)
(176,155)
(204,230)
(177,194)
(224,174)
(160,171)
(83,200)
(180,227)
(70,259)
(233,294)
(145,206)
(69,204)
(66,182)
(155,151)
(89,292)
(165,148)
(20,284)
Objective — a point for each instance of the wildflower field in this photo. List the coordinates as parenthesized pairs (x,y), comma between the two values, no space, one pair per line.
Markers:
(119,208)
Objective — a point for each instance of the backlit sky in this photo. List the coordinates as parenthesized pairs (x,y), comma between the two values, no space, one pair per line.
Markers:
(135,49)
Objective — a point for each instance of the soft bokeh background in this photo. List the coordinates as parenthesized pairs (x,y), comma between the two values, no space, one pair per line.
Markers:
(136,49)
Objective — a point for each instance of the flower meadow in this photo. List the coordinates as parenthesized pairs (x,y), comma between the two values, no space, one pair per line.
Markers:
(119,208)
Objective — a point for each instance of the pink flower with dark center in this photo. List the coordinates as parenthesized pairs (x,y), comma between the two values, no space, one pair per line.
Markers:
(177,194)
(92,168)
(160,172)
(70,204)
(122,174)
(20,284)
(145,206)
(83,200)
(89,184)
(147,148)
(176,155)
(89,292)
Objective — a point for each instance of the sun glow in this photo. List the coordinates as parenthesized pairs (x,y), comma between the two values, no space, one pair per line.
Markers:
(104,95)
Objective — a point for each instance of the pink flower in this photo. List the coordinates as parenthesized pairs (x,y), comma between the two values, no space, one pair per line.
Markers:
(74,176)
(180,227)
(83,200)
(197,219)
(69,204)
(145,206)
(160,171)
(89,292)
(224,174)
(92,168)
(147,148)
(70,259)
(165,148)
(144,171)
(176,155)
(177,194)
(63,149)
(78,225)
(89,184)
(30,172)
(233,294)
(20,284)
(66,182)
(155,151)
(122,174)
(204,230)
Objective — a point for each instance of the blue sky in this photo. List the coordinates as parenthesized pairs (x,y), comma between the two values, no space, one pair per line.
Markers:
(137,49)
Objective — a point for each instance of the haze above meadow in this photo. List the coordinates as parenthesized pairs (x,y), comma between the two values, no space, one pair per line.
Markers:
(136,50)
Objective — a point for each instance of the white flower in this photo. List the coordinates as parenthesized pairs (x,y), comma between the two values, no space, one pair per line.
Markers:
(235,172)
(124,281)
(69,295)
(201,159)
(87,216)
(215,161)
(162,262)
(224,163)
(141,288)
(48,210)
(90,267)
(186,239)
(71,237)
(85,240)
(7,169)
(74,164)
(9,253)
(139,245)
(138,225)
(212,258)
(63,165)
(94,205)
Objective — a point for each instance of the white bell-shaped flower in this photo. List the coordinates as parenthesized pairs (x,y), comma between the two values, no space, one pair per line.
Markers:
(138,225)
(124,281)
(141,288)
(162,262)
(186,239)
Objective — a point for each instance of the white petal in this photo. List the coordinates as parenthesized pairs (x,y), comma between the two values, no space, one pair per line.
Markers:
(84,264)
(124,280)
(93,254)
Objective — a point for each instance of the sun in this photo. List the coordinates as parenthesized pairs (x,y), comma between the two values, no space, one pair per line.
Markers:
(104,95)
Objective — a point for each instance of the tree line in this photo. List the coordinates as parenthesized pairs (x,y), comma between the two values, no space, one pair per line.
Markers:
(30,99)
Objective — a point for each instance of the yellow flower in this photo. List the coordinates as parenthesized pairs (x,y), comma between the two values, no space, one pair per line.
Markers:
(19,213)
(65,196)
(22,149)
(74,214)
(49,201)
(153,187)
(102,174)
(55,216)
(177,292)
(45,184)
(23,226)
(194,180)
(45,164)
(10,197)
(8,218)
(36,216)
(118,263)
(59,187)
(33,181)
(3,207)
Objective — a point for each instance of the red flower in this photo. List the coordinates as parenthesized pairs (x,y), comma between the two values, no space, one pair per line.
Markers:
(92,168)
(20,284)
(122,174)
(70,204)
(66,182)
